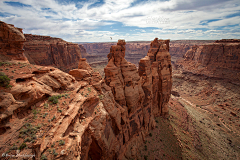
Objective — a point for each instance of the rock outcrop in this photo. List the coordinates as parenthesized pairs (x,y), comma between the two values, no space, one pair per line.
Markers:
(220,59)
(11,43)
(49,51)
(82,116)
(143,93)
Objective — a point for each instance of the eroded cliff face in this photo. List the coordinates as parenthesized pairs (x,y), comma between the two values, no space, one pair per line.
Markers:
(80,115)
(143,93)
(11,42)
(220,59)
(49,51)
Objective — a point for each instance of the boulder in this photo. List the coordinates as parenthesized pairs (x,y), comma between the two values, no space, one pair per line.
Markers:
(79,74)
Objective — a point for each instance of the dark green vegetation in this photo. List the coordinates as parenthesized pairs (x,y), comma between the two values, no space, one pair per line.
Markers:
(4,80)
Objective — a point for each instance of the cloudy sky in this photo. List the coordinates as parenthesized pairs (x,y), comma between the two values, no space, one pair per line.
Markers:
(97,21)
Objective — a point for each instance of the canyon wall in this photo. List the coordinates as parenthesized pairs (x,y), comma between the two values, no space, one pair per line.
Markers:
(178,48)
(98,51)
(220,59)
(135,50)
(54,115)
(11,42)
(49,51)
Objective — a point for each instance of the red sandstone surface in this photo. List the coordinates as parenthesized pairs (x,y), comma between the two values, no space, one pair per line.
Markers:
(49,51)
(51,114)
(11,42)
(116,117)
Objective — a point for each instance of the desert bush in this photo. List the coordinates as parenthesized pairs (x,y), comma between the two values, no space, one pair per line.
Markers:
(43,157)
(100,97)
(54,99)
(6,63)
(4,80)
(61,142)
(23,145)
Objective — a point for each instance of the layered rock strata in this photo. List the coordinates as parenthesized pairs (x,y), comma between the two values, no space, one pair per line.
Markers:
(49,51)
(143,93)
(11,42)
(94,118)
(220,59)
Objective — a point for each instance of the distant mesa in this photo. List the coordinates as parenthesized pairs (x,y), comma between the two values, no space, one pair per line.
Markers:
(220,59)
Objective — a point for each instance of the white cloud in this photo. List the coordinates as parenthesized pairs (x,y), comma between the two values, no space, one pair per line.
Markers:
(174,18)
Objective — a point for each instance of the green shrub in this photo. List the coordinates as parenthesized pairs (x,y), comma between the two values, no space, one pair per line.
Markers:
(45,106)
(23,145)
(4,80)
(59,110)
(61,142)
(6,63)
(100,97)
(53,118)
(43,157)
(45,114)
(27,140)
(53,145)
(53,99)
(54,152)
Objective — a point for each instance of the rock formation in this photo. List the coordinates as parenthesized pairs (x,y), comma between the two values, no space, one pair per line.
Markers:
(220,59)
(11,42)
(49,51)
(54,115)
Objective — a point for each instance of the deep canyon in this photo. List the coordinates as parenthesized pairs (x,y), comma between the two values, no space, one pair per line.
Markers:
(160,99)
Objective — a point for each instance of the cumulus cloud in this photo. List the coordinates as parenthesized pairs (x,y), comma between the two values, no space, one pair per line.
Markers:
(88,20)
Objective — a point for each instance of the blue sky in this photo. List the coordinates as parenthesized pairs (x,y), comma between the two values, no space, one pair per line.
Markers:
(132,20)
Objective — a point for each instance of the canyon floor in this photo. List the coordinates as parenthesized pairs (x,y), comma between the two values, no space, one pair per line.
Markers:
(205,116)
